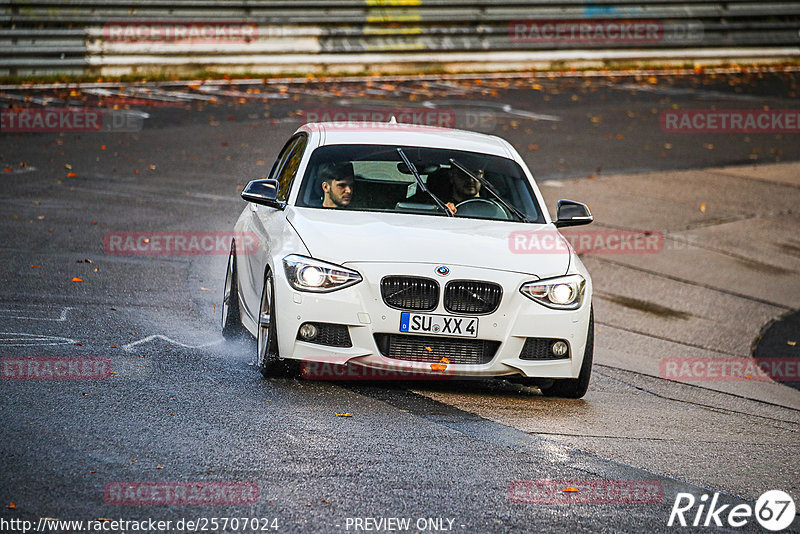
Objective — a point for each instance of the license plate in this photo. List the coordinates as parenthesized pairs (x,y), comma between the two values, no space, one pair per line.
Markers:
(445,325)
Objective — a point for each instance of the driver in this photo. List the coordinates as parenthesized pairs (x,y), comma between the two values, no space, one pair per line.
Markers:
(338,181)
(462,186)
(452,186)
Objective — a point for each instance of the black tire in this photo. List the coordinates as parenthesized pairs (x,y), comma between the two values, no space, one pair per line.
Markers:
(575,388)
(232,327)
(267,356)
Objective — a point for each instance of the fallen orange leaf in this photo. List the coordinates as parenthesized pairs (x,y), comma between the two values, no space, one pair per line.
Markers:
(570,489)
(76,279)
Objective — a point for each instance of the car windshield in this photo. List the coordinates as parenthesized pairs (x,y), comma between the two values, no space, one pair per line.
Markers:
(381,181)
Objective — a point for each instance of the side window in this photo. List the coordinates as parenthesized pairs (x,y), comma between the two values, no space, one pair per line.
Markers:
(279,161)
(288,167)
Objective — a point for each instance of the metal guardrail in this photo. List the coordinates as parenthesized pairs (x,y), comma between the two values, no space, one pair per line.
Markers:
(100,36)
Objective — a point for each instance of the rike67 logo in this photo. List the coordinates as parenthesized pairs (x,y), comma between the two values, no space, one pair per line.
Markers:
(774,510)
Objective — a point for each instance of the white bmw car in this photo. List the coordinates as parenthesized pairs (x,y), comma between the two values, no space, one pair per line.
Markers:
(393,247)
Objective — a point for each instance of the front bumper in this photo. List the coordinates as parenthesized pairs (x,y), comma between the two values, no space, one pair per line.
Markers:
(362,310)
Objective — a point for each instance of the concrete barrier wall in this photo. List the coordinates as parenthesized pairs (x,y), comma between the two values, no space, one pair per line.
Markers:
(118,37)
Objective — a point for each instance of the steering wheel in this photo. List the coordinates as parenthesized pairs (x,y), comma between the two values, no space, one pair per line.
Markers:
(483,208)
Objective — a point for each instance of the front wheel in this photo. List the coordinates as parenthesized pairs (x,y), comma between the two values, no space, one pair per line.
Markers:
(269,361)
(575,388)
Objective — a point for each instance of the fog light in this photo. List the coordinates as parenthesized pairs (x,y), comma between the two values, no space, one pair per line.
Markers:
(559,348)
(308,331)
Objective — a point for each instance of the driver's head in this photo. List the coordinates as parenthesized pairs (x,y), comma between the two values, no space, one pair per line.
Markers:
(338,180)
(463,186)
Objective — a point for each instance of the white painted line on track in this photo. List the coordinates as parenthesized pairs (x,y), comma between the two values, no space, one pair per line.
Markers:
(129,347)
(177,96)
(31,99)
(29,314)
(21,339)
(216,91)
(673,91)
(505,108)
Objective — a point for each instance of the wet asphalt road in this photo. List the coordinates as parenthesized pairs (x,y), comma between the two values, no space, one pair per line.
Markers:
(183,406)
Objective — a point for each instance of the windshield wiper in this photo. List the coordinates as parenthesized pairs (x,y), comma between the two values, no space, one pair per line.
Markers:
(421,184)
(485,183)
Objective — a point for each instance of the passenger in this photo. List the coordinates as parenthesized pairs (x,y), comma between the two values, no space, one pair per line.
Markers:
(338,181)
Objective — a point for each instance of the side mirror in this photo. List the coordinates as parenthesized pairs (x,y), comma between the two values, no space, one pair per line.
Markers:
(264,192)
(571,213)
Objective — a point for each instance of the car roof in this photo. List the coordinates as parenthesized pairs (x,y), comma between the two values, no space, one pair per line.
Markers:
(384,133)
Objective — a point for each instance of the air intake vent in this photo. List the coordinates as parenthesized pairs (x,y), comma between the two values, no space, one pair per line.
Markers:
(432,349)
(541,348)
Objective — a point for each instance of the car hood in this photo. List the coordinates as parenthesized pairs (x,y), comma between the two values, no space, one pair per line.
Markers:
(343,236)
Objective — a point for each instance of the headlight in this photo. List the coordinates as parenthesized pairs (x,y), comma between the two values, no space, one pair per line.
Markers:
(563,293)
(307,274)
